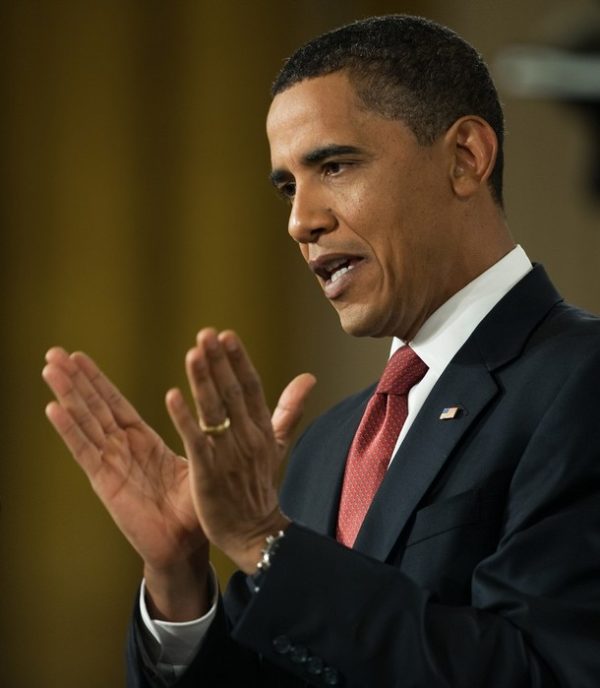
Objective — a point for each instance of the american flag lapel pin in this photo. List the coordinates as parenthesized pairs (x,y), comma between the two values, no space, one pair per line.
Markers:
(450,413)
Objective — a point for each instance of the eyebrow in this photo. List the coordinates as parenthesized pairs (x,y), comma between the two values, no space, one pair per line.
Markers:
(319,154)
(314,157)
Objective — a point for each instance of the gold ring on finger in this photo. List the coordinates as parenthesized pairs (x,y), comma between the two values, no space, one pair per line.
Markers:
(215,429)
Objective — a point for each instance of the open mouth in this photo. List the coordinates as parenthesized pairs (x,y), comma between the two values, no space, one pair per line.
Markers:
(332,268)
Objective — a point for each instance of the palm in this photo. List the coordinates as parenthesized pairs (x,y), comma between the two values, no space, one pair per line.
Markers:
(142,483)
(234,474)
(145,487)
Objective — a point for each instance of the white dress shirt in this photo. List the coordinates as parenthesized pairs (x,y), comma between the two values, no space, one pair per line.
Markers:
(436,343)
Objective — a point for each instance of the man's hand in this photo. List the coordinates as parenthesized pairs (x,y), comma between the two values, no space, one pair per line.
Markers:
(234,473)
(141,482)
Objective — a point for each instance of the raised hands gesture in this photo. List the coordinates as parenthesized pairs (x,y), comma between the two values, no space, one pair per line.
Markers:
(236,450)
(168,508)
(142,483)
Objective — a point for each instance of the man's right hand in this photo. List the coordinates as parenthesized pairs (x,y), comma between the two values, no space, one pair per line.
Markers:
(142,483)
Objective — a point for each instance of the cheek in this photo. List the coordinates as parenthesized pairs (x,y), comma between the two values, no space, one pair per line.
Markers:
(362,210)
(381,222)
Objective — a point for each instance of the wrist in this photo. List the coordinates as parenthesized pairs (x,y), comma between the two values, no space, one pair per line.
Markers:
(254,551)
(179,592)
(267,554)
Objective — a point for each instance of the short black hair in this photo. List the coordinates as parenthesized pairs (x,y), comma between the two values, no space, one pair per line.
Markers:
(408,68)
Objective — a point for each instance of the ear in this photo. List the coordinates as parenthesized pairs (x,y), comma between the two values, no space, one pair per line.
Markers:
(473,148)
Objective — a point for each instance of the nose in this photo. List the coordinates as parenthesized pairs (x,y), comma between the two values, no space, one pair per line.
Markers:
(310,216)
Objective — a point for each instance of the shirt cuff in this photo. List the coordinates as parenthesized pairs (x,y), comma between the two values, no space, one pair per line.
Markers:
(179,642)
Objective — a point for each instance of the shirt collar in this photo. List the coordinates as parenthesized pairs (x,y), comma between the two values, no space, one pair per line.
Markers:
(449,327)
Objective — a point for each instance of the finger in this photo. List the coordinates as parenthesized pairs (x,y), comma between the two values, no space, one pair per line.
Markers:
(209,405)
(248,378)
(102,398)
(120,408)
(84,451)
(194,440)
(61,383)
(84,386)
(225,382)
(290,407)
(56,354)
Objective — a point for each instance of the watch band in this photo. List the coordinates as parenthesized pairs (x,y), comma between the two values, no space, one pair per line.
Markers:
(271,546)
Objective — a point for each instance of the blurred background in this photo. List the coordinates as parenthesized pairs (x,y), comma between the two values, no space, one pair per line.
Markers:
(135,209)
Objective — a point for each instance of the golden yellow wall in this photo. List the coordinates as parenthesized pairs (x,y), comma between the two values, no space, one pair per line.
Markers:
(135,209)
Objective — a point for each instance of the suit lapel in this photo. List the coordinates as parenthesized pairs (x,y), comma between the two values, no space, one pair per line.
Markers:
(427,446)
(317,475)
(326,499)
(313,483)
(467,382)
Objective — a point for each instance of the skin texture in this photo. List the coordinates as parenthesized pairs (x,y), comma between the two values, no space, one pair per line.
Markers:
(420,217)
(417,223)
(166,506)
(142,483)
(234,475)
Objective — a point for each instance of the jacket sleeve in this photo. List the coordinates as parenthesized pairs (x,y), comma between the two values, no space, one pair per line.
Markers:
(533,618)
(328,615)
(221,662)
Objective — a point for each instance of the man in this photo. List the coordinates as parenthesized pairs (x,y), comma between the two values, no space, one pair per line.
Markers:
(471,559)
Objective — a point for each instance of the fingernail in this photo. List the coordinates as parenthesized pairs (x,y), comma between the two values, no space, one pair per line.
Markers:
(211,343)
(230,344)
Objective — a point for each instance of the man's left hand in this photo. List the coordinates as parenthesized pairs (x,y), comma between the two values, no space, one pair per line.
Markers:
(234,446)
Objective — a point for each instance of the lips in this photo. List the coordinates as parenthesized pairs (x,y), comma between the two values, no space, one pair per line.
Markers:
(333,269)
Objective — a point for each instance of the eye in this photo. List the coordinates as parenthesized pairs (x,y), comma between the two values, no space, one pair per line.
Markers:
(287,190)
(332,168)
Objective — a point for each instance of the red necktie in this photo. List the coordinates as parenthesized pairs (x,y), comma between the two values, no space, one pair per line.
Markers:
(375,439)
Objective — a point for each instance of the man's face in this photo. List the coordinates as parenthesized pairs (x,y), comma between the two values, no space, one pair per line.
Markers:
(369,207)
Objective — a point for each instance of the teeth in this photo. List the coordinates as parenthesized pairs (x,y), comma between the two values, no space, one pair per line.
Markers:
(338,273)
(338,264)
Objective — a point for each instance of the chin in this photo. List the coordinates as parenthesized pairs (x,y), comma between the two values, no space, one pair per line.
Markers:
(362,324)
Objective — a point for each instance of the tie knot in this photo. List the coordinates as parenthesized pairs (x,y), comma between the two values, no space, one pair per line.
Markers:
(403,370)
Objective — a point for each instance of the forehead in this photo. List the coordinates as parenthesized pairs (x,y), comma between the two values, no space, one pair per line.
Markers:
(320,94)
(316,112)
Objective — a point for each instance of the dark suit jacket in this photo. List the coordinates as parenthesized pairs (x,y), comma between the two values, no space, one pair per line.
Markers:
(478,564)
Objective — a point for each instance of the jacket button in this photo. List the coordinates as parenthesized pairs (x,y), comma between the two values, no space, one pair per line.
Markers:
(298,654)
(282,644)
(314,666)
(330,677)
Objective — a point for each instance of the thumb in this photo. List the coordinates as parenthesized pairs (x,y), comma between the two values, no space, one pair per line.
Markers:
(290,407)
